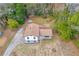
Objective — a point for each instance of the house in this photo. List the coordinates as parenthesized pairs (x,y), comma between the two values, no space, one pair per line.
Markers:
(33,33)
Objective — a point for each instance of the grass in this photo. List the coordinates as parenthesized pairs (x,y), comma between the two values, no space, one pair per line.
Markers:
(47,41)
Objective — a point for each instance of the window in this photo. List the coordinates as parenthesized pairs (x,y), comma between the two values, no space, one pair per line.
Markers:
(27,37)
(34,37)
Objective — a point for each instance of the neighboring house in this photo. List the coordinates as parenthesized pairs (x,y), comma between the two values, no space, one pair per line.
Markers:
(35,32)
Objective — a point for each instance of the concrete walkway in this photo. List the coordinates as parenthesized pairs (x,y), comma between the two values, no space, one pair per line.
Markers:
(16,40)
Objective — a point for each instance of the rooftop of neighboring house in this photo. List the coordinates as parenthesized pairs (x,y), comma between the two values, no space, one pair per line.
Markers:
(37,30)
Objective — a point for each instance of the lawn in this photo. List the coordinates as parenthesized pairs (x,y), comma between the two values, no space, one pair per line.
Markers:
(40,20)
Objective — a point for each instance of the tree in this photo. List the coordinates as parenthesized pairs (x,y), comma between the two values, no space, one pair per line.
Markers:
(12,24)
(43,10)
(18,12)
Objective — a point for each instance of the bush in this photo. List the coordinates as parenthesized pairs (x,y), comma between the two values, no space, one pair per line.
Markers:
(21,21)
(12,24)
(64,30)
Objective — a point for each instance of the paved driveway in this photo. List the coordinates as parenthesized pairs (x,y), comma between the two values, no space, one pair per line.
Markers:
(16,40)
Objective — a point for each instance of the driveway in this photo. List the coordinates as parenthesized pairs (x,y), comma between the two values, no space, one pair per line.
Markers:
(16,40)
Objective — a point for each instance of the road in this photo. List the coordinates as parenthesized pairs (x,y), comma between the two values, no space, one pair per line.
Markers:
(16,40)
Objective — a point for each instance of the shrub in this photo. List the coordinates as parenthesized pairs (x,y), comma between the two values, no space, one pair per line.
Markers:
(64,30)
(12,24)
